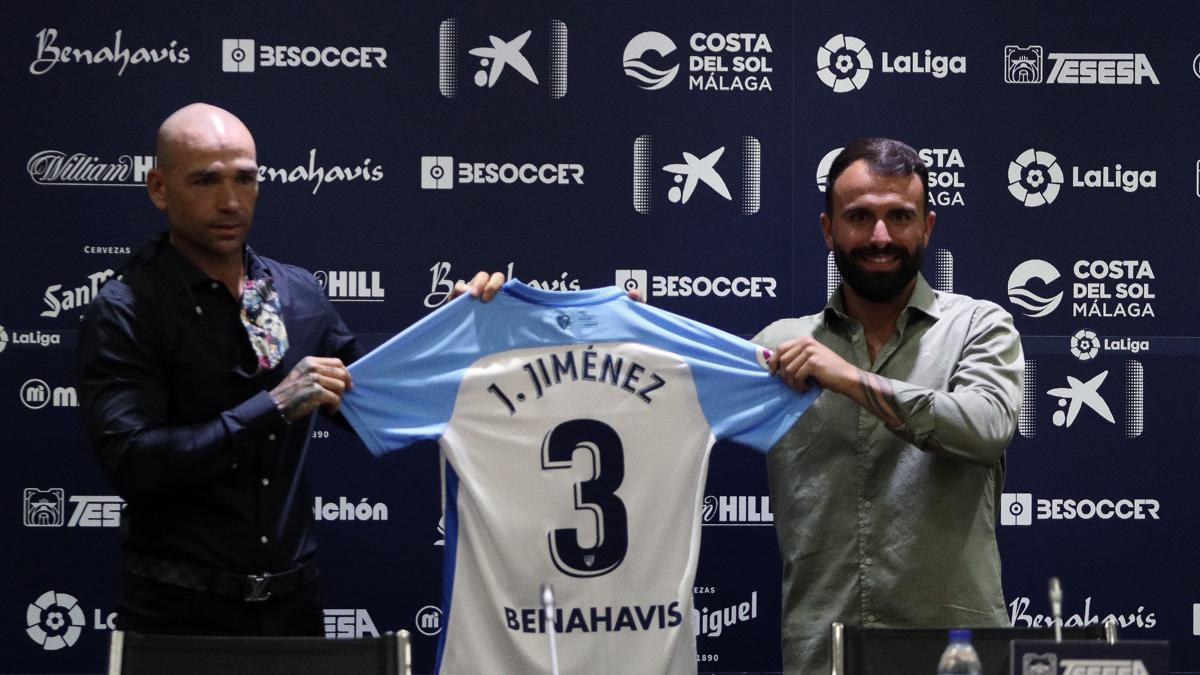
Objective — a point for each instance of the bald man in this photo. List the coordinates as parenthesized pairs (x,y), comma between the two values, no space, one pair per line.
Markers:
(200,371)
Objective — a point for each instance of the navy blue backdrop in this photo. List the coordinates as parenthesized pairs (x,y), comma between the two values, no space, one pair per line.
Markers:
(1062,137)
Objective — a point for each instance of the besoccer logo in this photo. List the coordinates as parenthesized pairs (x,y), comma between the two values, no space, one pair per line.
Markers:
(1022,65)
(54,620)
(647,76)
(844,64)
(437,173)
(1035,177)
(633,280)
(237,55)
(1016,508)
(1085,345)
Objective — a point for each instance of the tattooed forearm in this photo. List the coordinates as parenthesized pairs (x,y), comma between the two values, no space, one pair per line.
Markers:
(878,398)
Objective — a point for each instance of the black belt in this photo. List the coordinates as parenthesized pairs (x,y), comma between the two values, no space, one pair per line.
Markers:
(248,587)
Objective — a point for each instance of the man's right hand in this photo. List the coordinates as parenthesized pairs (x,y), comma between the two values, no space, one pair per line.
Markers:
(315,381)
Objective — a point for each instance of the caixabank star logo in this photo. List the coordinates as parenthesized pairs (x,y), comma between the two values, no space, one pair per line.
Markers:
(697,173)
(476,57)
(1091,394)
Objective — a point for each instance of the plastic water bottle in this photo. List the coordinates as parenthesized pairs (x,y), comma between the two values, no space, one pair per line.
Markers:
(960,657)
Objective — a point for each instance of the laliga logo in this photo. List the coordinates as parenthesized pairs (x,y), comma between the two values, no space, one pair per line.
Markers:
(1034,177)
(1085,345)
(1019,294)
(844,64)
(649,77)
(54,620)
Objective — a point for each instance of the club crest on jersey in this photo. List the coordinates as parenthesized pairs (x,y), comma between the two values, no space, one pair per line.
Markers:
(563,321)
(589,560)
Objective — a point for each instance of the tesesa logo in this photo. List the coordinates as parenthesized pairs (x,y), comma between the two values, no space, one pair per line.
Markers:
(54,620)
(1035,178)
(844,63)
(747,69)
(50,54)
(1017,508)
(500,55)
(238,56)
(687,177)
(1103,288)
(672,286)
(438,173)
(1025,65)
(46,508)
(349,624)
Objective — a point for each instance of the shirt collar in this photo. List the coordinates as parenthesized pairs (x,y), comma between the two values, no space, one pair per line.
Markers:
(923,300)
(191,276)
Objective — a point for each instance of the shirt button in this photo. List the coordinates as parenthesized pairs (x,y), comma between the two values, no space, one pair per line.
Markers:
(198,310)
(263,539)
(868,561)
(270,437)
(867,504)
(215,285)
(870,617)
(266,482)
(235,466)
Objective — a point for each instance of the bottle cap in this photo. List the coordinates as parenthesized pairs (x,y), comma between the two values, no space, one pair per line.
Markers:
(960,635)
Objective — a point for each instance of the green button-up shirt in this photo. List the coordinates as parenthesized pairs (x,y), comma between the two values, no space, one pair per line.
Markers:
(885,527)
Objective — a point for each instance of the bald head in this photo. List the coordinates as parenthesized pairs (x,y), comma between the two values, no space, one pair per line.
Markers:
(200,126)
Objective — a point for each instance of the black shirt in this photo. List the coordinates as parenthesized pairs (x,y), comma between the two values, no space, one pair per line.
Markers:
(183,427)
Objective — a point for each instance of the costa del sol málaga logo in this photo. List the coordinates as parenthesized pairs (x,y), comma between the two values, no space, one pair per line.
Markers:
(1034,177)
(647,76)
(844,64)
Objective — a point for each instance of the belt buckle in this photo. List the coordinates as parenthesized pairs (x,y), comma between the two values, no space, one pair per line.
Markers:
(258,588)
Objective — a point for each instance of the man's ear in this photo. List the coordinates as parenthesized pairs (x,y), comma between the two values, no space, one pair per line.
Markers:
(157,189)
(827,230)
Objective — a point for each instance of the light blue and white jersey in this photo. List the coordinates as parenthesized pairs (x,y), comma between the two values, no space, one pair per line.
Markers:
(576,429)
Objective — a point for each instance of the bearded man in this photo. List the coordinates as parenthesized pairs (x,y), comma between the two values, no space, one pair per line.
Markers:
(885,492)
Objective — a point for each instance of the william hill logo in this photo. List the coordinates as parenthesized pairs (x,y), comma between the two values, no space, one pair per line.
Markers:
(737,510)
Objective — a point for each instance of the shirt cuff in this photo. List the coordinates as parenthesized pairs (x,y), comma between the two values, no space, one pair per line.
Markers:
(915,406)
(259,413)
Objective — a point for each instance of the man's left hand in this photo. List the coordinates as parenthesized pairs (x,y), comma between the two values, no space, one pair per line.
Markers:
(802,358)
(484,286)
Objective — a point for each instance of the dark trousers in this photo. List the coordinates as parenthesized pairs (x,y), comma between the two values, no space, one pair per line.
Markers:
(149,606)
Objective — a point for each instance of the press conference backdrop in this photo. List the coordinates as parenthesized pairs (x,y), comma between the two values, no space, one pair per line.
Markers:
(1064,166)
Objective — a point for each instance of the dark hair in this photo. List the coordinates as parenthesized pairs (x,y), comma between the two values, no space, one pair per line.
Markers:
(886,157)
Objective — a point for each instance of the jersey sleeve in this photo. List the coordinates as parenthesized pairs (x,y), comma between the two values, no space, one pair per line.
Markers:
(404,390)
(739,396)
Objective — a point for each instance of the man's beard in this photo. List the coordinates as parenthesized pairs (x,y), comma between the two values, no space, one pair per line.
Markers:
(878,286)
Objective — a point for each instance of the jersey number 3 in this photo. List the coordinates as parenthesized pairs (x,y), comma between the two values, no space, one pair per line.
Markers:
(596,496)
